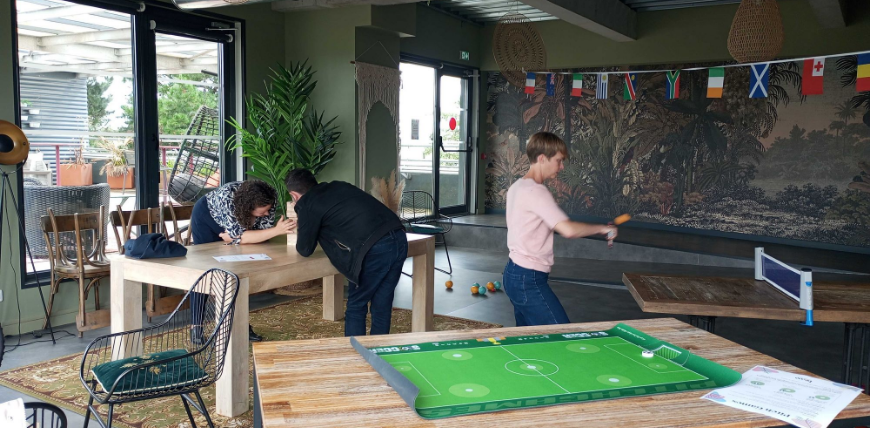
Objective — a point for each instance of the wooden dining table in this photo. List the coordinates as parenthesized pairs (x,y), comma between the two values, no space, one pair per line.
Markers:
(286,267)
(327,383)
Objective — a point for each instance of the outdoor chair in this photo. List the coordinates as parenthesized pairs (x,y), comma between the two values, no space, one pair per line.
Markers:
(420,215)
(176,357)
(44,415)
(74,260)
(197,168)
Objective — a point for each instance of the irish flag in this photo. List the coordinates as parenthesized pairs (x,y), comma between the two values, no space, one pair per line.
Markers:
(863,83)
(716,82)
(530,83)
(577,85)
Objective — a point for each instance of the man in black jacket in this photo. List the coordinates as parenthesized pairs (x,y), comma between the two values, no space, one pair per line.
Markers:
(363,239)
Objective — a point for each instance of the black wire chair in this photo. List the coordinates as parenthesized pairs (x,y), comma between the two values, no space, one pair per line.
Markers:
(420,215)
(44,415)
(177,357)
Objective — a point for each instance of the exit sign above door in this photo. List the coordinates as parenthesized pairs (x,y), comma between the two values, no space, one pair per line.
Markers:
(463,55)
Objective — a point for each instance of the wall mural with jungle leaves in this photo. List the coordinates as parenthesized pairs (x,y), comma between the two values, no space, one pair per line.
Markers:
(785,166)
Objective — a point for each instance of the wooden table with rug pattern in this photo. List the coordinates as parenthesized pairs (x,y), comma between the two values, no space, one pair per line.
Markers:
(326,383)
(286,267)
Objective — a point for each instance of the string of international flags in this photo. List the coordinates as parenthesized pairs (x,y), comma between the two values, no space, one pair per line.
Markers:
(812,82)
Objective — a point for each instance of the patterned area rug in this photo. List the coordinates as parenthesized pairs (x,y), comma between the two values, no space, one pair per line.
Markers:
(57,381)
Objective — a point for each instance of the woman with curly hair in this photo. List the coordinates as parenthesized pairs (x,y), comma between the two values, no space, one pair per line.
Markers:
(241,212)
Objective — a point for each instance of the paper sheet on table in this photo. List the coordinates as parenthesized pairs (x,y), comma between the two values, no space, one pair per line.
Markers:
(12,414)
(242,258)
(803,401)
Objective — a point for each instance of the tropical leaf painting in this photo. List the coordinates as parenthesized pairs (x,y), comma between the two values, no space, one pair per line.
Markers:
(787,166)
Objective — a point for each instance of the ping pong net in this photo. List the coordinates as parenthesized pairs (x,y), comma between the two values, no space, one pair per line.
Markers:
(794,283)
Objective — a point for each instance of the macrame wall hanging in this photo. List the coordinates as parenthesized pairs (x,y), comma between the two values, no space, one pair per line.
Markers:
(376,84)
(518,47)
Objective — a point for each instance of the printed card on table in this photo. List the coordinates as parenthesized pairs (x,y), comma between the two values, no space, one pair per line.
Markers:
(802,401)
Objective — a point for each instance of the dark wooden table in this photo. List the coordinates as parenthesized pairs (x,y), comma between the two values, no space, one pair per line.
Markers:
(326,383)
(705,298)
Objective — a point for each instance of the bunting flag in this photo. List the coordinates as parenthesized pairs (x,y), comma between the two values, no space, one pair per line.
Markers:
(673,88)
(630,92)
(530,83)
(759,79)
(863,82)
(577,85)
(812,80)
(601,90)
(716,82)
(551,84)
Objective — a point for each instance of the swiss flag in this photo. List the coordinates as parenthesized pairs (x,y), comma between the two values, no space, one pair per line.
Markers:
(813,77)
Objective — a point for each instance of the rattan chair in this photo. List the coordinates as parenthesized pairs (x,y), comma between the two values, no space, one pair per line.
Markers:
(198,162)
(63,200)
(176,357)
(74,260)
(420,215)
(44,415)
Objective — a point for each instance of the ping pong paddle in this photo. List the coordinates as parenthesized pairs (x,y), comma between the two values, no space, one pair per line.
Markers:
(617,221)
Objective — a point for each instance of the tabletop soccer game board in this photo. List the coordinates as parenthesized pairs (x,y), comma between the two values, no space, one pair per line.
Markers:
(442,379)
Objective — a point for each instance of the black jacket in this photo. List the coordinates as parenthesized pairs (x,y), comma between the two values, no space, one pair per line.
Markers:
(345,221)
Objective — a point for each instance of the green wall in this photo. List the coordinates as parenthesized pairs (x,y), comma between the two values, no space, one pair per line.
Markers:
(326,39)
(690,35)
(441,37)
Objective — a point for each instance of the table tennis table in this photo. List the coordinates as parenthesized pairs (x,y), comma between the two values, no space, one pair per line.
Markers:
(703,299)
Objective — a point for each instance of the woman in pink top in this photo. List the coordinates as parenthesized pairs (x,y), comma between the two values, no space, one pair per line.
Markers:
(532,216)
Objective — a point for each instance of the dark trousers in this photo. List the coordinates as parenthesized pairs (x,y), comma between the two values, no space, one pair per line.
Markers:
(534,302)
(205,230)
(381,269)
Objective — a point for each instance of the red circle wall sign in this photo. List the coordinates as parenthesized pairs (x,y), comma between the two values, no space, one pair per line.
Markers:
(452,123)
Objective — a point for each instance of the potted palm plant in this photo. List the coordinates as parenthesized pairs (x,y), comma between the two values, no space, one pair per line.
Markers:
(76,172)
(282,132)
(118,173)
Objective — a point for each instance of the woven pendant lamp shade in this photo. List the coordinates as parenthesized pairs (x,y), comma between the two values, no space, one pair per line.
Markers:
(517,46)
(756,32)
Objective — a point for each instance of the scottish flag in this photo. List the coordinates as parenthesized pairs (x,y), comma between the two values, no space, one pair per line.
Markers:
(758,80)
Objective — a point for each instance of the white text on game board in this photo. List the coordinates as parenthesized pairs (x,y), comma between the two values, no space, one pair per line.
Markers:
(576,335)
(395,349)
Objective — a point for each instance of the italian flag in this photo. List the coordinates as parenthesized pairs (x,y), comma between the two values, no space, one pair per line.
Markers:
(577,85)
(716,82)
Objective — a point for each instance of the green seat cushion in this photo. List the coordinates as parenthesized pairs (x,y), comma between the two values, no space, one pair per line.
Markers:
(427,229)
(176,373)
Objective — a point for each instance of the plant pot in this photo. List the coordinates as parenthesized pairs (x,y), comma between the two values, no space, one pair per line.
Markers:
(75,175)
(121,181)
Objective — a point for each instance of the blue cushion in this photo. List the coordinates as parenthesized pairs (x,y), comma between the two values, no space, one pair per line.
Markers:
(428,229)
(176,373)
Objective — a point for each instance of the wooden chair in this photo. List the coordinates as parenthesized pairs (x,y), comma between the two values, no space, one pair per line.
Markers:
(88,268)
(171,214)
(420,215)
(177,357)
(151,220)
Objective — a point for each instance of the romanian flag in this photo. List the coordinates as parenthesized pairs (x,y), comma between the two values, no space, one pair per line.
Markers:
(863,83)
(673,87)
(577,85)
(812,80)
(630,92)
(530,83)
(716,82)
(551,84)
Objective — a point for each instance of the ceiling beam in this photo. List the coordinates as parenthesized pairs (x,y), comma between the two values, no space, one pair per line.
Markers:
(298,5)
(90,36)
(53,12)
(608,18)
(830,13)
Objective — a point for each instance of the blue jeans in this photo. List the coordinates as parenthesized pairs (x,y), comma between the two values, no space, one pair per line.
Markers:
(381,269)
(534,302)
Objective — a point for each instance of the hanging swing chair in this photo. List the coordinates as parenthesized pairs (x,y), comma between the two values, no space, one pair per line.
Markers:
(196,171)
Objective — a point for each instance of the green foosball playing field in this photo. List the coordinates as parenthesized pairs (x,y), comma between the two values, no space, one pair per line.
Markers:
(498,373)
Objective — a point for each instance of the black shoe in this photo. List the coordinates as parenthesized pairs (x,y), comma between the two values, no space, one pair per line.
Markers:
(253,337)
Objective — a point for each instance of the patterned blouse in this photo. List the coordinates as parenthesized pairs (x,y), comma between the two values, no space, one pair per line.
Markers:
(222,209)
